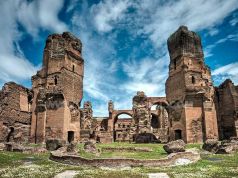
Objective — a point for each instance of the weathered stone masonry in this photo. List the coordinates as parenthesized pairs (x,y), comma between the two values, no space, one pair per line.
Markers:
(189,89)
(193,109)
(15,113)
(227,107)
(58,90)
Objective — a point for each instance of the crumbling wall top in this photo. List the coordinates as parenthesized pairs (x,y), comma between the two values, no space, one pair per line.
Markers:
(226,83)
(14,103)
(12,85)
(65,40)
(184,42)
(110,106)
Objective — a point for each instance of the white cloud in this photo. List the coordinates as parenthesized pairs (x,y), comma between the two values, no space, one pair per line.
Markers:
(147,75)
(224,72)
(100,64)
(40,13)
(165,18)
(213,31)
(234,20)
(107,12)
(33,16)
(13,68)
(208,49)
(152,20)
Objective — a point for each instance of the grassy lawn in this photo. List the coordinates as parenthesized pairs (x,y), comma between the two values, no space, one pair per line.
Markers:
(38,165)
(156,153)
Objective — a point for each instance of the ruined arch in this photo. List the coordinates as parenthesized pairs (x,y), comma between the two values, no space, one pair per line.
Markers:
(116,117)
(121,128)
(159,113)
(158,100)
(116,113)
(155,122)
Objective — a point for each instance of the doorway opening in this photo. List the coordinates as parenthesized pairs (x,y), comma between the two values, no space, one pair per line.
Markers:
(155,121)
(178,134)
(70,136)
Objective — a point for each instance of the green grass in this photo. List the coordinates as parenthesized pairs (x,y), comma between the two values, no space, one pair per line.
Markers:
(156,153)
(210,166)
(196,145)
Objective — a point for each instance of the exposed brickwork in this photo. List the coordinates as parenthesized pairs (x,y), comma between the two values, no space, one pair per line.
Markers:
(15,113)
(86,121)
(58,89)
(191,110)
(189,89)
(227,107)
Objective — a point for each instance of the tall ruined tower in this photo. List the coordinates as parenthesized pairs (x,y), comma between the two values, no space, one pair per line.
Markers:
(189,89)
(58,90)
(227,109)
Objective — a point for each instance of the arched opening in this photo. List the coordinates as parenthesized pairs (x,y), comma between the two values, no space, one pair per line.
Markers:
(178,134)
(70,136)
(73,68)
(159,115)
(56,80)
(29,98)
(121,127)
(155,124)
(193,80)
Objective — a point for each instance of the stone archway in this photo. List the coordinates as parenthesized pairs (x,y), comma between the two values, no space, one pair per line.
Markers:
(155,122)
(159,114)
(113,116)
(121,126)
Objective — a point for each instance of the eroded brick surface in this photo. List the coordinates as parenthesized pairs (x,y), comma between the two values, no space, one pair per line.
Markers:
(15,113)
(192,110)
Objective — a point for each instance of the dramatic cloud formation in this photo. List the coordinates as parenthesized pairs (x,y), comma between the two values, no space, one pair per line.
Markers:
(124,41)
(197,15)
(40,14)
(152,20)
(107,13)
(32,16)
(227,71)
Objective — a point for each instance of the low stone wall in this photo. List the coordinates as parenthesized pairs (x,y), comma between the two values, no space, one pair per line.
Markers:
(110,162)
(127,149)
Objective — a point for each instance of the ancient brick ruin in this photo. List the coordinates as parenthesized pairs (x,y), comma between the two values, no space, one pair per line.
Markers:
(227,107)
(58,90)
(193,109)
(15,113)
(189,89)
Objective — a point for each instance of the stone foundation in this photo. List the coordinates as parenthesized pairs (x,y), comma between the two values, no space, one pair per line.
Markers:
(79,161)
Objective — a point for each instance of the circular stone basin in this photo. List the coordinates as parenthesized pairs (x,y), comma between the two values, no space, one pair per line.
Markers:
(170,160)
(142,149)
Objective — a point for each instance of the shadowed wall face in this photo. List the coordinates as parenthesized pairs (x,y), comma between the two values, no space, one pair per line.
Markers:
(58,89)
(15,113)
(227,106)
(189,89)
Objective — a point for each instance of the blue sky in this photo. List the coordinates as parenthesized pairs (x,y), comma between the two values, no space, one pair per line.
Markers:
(124,42)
